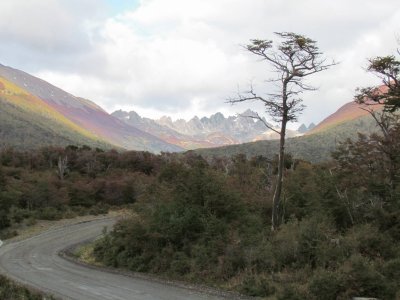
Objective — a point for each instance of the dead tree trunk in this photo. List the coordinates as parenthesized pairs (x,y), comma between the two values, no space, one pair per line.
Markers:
(62,167)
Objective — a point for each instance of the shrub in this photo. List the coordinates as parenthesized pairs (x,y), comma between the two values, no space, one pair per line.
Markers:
(4,220)
(12,291)
(18,215)
(367,240)
(299,244)
(49,213)
(8,234)
(364,280)
(326,285)
(391,270)
(256,286)
(180,264)
(291,292)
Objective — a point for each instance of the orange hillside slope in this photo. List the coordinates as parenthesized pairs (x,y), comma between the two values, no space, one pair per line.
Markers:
(349,111)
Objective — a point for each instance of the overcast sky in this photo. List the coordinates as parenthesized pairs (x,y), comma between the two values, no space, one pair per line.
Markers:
(183,57)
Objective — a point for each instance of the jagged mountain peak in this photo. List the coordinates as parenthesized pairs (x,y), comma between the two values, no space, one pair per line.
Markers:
(217,117)
(134,115)
(248,113)
(215,130)
(165,120)
(121,113)
(302,128)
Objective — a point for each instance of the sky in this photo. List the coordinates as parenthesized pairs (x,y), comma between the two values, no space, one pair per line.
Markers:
(185,57)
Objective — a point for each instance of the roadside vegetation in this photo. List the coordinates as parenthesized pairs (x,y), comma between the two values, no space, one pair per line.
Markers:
(12,291)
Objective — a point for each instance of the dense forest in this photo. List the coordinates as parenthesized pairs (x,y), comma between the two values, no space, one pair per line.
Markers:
(53,182)
(208,220)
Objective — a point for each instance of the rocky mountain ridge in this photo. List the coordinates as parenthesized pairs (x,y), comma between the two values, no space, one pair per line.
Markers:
(214,131)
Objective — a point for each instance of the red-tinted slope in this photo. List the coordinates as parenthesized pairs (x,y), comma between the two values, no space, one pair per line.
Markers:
(349,111)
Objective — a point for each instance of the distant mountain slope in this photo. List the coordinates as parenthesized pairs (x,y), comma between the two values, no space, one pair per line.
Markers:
(316,147)
(28,122)
(349,111)
(217,130)
(86,115)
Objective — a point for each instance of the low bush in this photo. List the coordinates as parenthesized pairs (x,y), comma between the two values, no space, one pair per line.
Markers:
(12,291)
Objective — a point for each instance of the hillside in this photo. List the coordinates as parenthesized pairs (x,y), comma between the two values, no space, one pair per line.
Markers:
(348,112)
(313,147)
(32,95)
(28,122)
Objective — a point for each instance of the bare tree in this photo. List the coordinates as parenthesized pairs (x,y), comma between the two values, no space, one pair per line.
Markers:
(62,167)
(293,59)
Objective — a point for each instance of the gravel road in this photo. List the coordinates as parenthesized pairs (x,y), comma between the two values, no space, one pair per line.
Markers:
(35,262)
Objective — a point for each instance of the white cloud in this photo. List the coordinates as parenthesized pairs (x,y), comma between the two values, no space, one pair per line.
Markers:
(182,57)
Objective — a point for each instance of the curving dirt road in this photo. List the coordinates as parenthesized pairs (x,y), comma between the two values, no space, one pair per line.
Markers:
(35,262)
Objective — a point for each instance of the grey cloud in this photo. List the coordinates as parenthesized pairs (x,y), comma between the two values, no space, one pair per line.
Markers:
(47,33)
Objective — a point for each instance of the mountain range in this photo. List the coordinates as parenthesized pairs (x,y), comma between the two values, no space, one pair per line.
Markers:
(34,113)
(215,131)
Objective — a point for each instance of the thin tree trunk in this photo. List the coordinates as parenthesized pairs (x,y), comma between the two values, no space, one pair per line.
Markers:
(279,179)
(62,167)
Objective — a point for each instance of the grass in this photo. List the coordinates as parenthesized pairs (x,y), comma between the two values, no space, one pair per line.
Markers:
(84,254)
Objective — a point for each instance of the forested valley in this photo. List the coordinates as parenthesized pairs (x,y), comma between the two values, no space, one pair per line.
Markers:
(208,220)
